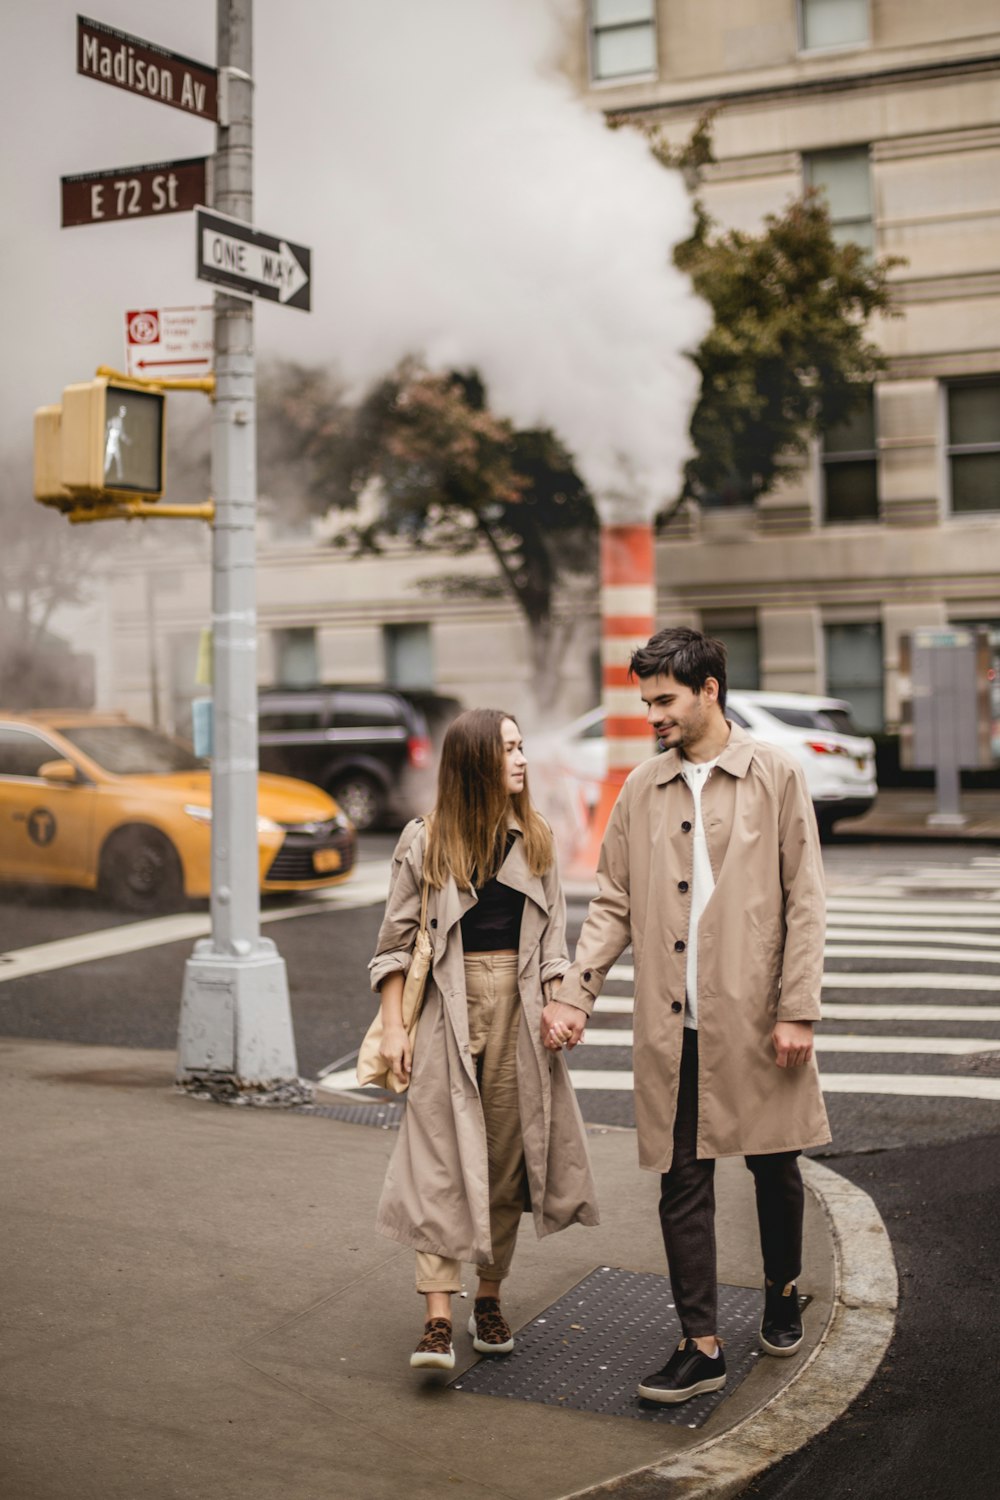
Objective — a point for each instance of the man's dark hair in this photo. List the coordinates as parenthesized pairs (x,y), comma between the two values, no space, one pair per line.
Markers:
(686,655)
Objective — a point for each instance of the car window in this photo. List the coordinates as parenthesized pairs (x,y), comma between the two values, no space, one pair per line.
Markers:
(290,720)
(594,731)
(735,717)
(131,749)
(22,752)
(366,711)
(836,719)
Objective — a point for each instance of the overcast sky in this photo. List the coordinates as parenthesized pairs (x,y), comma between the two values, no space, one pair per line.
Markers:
(459,202)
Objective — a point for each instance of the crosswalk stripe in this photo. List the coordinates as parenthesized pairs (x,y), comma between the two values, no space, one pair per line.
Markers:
(910,950)
(833,1011)
(982,909)
(917,981)
(913,929)
(922,1085)
(601,1036)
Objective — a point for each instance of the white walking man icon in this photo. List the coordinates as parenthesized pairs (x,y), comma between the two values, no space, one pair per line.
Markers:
(115,436)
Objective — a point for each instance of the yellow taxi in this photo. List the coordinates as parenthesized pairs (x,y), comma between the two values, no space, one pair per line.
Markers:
(101,802)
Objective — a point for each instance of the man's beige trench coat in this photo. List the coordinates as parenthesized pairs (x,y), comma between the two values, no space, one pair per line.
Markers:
(436,1193)
(760,947)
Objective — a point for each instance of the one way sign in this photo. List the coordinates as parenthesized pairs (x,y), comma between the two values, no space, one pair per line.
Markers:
(245,260)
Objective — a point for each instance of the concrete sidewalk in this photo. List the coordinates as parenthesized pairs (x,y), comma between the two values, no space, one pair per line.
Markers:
(900,813)
(196,1304)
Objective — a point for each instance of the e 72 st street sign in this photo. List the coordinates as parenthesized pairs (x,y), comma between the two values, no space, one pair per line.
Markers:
(127,62)
(166,187)
(253,264)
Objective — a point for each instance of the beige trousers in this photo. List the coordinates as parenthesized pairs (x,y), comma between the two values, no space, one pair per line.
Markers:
(494,1014)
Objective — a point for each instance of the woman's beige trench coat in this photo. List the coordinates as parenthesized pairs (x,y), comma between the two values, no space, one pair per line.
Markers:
(436,1193)
(760,947)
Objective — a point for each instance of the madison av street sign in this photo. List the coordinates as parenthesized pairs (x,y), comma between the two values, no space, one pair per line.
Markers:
(253,264)
(166,187)
(127,62)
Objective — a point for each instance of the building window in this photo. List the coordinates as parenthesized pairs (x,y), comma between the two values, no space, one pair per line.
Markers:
(295,659)
(742,643)
(832,23)
(622,39)
(409,658)
(974,446)
(854,671)
(844,178)
(850,466)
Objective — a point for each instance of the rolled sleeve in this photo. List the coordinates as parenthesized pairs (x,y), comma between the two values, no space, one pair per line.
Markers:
(398,932)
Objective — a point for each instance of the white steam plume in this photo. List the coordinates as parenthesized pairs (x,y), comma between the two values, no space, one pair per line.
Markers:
(465,206)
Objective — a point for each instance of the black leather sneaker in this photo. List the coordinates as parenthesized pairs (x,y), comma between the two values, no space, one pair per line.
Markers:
(686,1373)
(781,1324)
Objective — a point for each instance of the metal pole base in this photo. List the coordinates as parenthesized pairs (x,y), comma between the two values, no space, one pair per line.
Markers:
(236,1019)
(946,820)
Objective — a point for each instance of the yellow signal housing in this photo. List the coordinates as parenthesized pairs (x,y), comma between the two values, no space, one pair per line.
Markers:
(107,442)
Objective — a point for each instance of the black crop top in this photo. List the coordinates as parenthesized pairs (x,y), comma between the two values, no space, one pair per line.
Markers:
(494,922)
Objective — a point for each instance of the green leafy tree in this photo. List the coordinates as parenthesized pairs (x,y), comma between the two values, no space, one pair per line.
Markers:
(789,354)
(450,476)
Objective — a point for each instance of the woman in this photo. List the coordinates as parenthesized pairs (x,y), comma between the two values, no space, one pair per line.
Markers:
(491,1128)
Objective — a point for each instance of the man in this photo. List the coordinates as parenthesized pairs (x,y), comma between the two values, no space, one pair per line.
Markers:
(711,868)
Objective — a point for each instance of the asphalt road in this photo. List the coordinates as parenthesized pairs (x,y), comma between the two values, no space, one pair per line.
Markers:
(912,996)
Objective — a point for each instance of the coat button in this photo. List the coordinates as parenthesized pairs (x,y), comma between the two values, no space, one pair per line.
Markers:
(676,1007)
(682,885)
(434,921)
(685,826)
(679,946)
(586,973)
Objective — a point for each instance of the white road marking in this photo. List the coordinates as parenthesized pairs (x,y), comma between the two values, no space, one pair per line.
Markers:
(367,889)
(981,910)
(910,950)
(922,1085)
(944,1045)
(895,927)
(916,981)
(832,1011)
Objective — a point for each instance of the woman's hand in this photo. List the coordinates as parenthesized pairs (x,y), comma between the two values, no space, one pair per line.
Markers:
(562,1026)
(397,1050)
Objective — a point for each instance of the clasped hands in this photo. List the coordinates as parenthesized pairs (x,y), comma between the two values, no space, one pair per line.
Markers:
(562,1025)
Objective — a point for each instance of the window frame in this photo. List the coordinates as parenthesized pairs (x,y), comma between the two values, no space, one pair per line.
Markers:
(617,80)
(834,47)
(950,450)
(808,159)
(857,455)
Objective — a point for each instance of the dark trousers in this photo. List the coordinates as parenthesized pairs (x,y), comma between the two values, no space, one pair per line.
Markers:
(687,1211)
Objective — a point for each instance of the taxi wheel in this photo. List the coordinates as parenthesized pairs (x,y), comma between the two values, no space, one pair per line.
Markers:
(140,870)
(360,798)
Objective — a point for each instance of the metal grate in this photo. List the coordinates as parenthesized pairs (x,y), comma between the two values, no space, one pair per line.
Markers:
(385,1113)
(589,1350)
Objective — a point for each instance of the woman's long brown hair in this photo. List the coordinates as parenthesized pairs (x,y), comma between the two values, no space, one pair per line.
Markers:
(466,834)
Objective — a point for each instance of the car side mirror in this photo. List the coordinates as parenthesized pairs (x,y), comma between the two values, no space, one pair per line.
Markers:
(59,772)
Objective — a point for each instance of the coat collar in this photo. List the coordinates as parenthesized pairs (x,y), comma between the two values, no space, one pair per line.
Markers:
(515,872)
(735,758)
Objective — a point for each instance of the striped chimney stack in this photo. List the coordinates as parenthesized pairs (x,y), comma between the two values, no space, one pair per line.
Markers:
(628,601)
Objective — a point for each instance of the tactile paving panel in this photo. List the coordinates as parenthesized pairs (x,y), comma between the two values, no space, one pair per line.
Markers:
(589,1350)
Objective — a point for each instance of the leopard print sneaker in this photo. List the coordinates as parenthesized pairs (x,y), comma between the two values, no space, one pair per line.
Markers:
(489,1328)
(435,1350)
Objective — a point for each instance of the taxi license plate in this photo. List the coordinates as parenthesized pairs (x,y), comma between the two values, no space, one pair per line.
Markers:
(325,860)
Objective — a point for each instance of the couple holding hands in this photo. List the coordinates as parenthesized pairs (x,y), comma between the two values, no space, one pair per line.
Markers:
(711,869)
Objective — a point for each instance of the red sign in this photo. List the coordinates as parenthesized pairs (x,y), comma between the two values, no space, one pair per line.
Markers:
(166,187)
(127,62)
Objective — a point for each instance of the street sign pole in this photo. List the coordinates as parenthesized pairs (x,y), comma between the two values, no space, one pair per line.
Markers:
(235,1013)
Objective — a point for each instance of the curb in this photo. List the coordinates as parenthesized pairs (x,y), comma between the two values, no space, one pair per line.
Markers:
(837,1370)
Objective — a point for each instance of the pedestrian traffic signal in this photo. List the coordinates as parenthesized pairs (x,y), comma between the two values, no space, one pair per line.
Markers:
(104,443)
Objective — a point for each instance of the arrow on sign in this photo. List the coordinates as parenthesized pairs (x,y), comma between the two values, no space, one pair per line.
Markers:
(252,263)
(149,364)
(277,270)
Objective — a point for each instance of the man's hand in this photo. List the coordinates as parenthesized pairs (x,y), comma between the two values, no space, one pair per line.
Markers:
(562,1025)
(793,1043)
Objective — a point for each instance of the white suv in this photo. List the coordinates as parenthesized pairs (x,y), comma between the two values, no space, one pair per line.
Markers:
(838,761)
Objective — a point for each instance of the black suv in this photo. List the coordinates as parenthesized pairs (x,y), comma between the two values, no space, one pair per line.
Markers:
(369,747)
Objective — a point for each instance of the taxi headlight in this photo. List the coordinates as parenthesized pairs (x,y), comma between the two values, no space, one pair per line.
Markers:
(204,815)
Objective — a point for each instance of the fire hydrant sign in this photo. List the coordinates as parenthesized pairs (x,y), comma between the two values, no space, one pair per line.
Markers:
(169,341)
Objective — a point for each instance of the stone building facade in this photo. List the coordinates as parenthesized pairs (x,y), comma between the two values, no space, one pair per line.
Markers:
(892,107)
